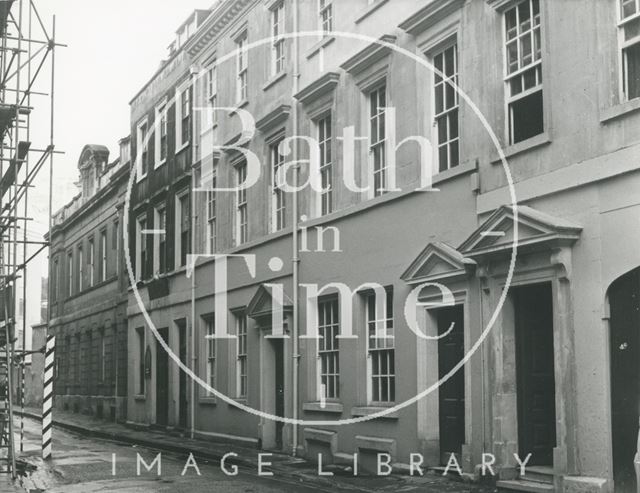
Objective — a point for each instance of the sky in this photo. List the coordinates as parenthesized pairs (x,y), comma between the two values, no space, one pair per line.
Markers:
(113,48)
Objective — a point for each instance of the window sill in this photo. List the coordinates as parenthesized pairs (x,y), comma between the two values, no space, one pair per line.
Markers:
(274,80)
(619,110)
(208,401)
(323,43)
(369,410)
(239,106)
(182,147)
(141,177)
(211,128)
(370,10)
(461,169)
(524,146)
(329,407)
(239,400)
(158,164)
(140,397)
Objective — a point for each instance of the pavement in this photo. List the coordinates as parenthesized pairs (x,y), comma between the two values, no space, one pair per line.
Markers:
(9,486)
(83,461)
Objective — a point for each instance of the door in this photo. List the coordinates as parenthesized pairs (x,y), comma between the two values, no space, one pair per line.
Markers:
(162,380)
(451,392)
(182,393)
(278,347)
(624,303)
(533,307)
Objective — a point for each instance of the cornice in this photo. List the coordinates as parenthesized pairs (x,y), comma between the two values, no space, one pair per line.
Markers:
(274,118)
(501,5)
(220,19)
(318,88)
(369,55)
(429,15)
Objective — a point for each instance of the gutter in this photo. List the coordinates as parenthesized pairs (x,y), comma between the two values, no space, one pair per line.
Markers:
(295,254)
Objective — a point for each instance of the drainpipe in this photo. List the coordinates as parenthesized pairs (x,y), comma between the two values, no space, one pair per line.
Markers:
(295,258)
(194,359)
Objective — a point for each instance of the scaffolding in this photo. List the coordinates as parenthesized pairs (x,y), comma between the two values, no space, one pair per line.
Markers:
(27,52)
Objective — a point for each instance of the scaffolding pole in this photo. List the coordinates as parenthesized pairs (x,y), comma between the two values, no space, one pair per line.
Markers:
(27,49)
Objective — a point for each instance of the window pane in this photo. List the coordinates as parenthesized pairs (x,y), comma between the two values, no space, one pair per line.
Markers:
(537,46)
(443,158)
(442,129)
(439,90)
(632,55)
(628,8)
(536,12)
(449,61)
(529,78)
(526,117)
(512,56)
(525,16)
(515,85)
(632,30)
(450,96)
(525,50)
(453,124)
(511,24)
(453,152)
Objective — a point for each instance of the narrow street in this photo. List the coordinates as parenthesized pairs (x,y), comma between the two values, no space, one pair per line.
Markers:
(82,464)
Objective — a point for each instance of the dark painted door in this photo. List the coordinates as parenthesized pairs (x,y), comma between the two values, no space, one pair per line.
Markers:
(624,303)
(451,392)
(535,373)
(162,380)
(182,394)
(279,388)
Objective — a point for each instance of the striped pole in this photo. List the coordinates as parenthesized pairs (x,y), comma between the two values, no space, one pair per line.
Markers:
(24,356)
(47,398)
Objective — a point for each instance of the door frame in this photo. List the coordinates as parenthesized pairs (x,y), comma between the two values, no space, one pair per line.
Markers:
(267,388)
(520,379)
(428,408)
(543,266)
(610,376)
(160,352)
(182,382)
(443,459)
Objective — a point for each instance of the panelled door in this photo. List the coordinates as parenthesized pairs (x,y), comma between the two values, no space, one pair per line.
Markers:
(535,372)
(451,392)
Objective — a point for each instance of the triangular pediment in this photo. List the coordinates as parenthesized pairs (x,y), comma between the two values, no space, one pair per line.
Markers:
(262,303)
(436,262)
(534,228)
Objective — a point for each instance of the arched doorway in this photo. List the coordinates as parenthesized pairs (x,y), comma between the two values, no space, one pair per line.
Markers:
(624,303)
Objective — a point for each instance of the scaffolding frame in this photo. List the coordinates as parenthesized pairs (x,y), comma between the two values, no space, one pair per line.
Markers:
(27,46)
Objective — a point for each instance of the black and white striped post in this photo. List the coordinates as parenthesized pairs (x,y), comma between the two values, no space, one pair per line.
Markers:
(47,397)
(22,384)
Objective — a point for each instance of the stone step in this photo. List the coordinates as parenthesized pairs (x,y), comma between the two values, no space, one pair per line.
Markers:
(540,474)
(441,469)
(524,485)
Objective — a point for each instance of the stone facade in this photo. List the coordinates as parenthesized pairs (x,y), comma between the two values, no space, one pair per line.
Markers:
(88,290)
(569,138)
